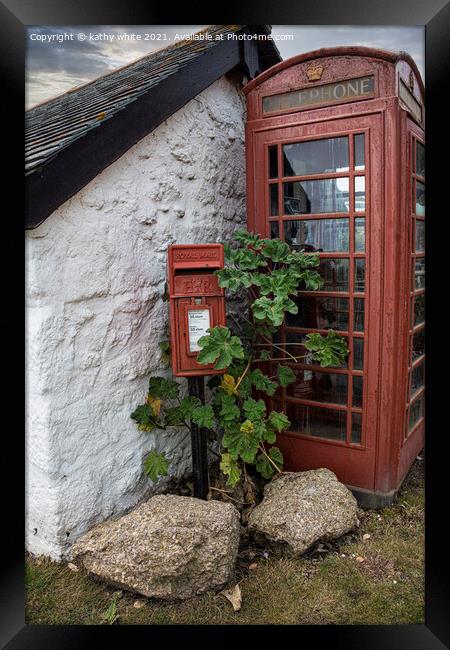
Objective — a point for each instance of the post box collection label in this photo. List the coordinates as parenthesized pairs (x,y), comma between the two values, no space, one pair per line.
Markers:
(198,323)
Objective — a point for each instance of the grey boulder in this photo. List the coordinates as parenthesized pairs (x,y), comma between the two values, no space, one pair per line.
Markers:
(301,508)
(170,547)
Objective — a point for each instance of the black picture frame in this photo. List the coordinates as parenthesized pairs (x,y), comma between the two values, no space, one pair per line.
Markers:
(434,634)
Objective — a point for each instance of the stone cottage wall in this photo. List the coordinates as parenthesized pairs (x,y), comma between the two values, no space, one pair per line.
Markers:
(95,277)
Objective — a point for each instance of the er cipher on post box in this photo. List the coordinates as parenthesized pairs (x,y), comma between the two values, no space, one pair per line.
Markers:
(196,303)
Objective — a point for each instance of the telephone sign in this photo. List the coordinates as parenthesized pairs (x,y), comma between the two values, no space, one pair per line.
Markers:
(196,304)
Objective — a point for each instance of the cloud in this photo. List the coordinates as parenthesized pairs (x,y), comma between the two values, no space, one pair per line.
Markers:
(56,60)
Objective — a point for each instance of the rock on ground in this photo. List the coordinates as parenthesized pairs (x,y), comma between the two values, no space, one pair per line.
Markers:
(302,508)
(169,547)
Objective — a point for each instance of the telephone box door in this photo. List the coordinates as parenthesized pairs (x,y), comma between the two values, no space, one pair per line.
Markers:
(320,189)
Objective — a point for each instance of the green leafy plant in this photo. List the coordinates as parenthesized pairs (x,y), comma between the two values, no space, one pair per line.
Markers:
(239,413)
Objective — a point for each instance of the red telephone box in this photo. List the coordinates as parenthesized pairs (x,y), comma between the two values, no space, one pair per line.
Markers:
(336,166)
(196,303)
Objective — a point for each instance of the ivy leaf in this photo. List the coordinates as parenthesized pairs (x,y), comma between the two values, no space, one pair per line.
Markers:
(155,404)
(278,421)
(145,418)
(330,350)
(203,416)
(276,249)
(162,388)
(265,467)
(178,415)
(265,309)
(219,347)
(228,384)
(264,356)
(240,444)
(229,411)
(231,469)
(285,375)
(254,410)
(262,382)
(156,465)
(233,279)
(248,238)
(164,346)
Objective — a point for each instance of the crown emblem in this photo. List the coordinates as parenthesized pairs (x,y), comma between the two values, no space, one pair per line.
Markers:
(314,72)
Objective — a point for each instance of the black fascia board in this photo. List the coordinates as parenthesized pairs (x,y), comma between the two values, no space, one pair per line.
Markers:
(75,166)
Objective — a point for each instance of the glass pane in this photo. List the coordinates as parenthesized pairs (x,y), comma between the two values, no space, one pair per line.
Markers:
(274,230)
(360,272)
(420,159)
(419,309)
(357,391)
(419,273)
(418,344)
(416,411)
(273,199)
(328,235)
(273,162)
(318,422)
(356,428)
(334,271)
(306,197)
(417,378)
(420,198)
(319,387)
(316,157)
(360,193)
(358,354)
(299,350)
(320,313)
(359,151)
(358,315)
(360,234)
(420,236)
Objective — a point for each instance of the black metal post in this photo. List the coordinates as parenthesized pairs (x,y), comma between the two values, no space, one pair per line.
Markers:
(199,451)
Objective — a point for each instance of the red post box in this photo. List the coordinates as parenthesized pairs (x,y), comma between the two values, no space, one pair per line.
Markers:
(196,303)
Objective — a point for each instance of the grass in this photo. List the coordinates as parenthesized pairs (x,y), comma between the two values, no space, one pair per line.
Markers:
(330,585)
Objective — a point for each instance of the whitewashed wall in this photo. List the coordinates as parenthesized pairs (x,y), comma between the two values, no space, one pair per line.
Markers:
(95,276)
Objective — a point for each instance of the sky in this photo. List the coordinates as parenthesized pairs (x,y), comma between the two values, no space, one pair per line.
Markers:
(62,57)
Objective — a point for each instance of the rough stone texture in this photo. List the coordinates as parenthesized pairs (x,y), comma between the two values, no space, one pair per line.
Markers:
(170,547)
(302,508)
(94,315)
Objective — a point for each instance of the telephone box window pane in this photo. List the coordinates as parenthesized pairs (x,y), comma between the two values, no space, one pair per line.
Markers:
(359,151)
(360,193)
(319,387)
(420,198)
(334,272)
(420,236)
(418,344)
(360,235)
(358,315)
(416,411)
(358,354)
(357,391)
(315,197)
(316,157)
(305,356)
(317,421)
(273,162)
(356,428)
(419,273)
(419,309)
(360,272)
(417,378)
(320,313)
(273,200)
(321,235)
(420,159)
(274,230)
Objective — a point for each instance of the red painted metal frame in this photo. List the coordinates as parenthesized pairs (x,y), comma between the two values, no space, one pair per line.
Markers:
(380,462)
